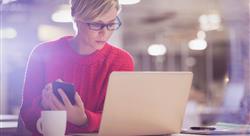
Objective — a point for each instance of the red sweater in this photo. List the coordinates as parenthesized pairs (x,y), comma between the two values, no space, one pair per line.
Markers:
(89,74)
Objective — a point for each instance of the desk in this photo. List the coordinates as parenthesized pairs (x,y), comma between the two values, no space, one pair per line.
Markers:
(202,135)
(8,124)
(159,135)
(8,118)
(8,128)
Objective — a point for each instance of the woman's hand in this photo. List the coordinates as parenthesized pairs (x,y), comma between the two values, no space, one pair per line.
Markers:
(75,113)
(46,96)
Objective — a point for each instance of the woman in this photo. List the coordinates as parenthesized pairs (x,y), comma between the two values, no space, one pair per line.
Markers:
(85,60)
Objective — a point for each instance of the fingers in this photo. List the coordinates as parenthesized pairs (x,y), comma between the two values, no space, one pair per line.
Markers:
(49,100)
(59,80)
(46,95)
(64,98)
(58,104)
(44,101)
(78,100)
(52,105)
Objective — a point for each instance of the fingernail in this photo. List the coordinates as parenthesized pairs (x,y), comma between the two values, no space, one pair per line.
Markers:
(60,90)
(59,79)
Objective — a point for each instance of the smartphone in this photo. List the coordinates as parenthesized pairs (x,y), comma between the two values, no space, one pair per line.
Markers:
(68,89)
(203,128)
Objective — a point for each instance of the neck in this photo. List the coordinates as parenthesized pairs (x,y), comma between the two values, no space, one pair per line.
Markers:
(81,47)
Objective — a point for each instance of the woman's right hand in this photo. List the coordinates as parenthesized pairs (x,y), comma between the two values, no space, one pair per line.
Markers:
(75,113)
(46,96)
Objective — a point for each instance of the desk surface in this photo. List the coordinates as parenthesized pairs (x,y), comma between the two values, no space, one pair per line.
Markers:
(8,117)
(8,127)
(202,135)
(160,135)
(8,124)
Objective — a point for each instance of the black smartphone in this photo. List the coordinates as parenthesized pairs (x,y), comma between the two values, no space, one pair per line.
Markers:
(68,88)
(203,128)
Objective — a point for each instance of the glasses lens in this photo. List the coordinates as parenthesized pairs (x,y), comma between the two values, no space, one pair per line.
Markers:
(113,26)
(95,26)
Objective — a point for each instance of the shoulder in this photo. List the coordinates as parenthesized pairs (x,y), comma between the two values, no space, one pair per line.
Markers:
(120,53)
(122,58)
(51,45)
(47,48)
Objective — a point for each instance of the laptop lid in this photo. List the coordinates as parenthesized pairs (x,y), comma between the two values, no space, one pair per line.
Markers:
(145,103)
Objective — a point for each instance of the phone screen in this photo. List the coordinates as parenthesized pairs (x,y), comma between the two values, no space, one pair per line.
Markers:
(68,88)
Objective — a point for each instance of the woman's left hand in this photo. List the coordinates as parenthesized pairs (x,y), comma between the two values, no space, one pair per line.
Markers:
(75,113)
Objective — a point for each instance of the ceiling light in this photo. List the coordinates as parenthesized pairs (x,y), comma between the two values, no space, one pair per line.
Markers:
(129,2)
(62,15)
(50,32)
(157,49)
(201,35)
(197,44)
(210,22)
(7,1)
(226,79)
(8,33)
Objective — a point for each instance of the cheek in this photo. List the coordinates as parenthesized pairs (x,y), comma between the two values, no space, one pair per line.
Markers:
(109,35)
(85,33)
(92,36)
(89,35)
(104,36)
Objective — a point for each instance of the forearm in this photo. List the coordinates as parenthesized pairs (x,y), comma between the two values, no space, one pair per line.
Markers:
(31,113)
(91,124)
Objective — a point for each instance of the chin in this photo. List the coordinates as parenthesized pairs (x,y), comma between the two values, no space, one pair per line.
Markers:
(99,45)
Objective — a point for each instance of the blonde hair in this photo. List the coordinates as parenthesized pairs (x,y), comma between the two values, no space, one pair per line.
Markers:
(90,9)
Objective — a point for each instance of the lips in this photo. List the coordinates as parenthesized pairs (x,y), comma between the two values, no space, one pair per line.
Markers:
(100,42)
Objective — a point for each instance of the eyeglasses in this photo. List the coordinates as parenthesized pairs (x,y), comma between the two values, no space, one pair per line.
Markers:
(99,26)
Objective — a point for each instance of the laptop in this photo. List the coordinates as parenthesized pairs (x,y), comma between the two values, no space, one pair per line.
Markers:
(145,103)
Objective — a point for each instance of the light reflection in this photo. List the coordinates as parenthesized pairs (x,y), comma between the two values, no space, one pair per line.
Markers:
(157,49)
(210,22)
(226,79)
(129,2)
(197,44)
(7,1)
(201,35)
(8,33)
(49,32)
(62,15)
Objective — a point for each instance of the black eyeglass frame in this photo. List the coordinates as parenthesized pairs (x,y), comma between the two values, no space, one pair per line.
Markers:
(92,25)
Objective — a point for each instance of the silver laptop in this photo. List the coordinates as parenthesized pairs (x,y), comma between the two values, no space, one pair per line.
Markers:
(145,103)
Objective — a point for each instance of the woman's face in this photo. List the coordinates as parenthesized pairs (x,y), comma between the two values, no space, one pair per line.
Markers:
(96,38)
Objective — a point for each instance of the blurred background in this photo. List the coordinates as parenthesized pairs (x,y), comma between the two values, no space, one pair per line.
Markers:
(208,37)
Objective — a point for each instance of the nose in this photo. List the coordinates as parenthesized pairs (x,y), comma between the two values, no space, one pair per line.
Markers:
(103,32)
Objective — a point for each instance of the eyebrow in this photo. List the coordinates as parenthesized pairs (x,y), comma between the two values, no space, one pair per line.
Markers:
(100,21)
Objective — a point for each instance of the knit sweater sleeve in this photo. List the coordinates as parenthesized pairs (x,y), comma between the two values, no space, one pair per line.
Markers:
(123,62)
(33,85)
(94,119)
